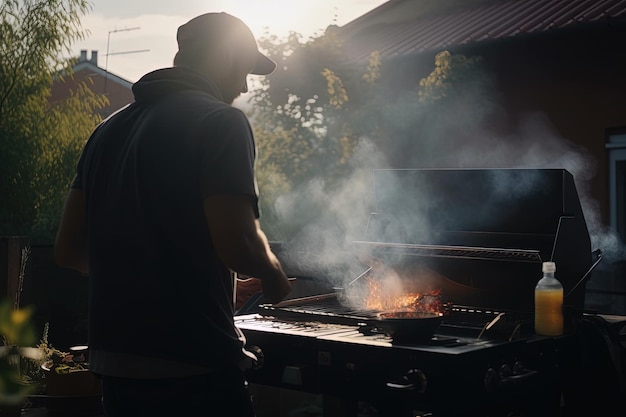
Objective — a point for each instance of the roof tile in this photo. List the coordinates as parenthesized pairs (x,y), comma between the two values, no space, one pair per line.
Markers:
(497,20)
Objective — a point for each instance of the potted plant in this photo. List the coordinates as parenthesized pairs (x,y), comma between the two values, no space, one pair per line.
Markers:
(61,382)
(67,373)
(18,337)
(67,385)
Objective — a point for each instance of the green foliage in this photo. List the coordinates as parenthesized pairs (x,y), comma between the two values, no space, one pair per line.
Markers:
(451,73)
(16,327)
(68,124)
(39,141)
(22,358)
(312,115)
(372,72)
(17,331)
(337,93)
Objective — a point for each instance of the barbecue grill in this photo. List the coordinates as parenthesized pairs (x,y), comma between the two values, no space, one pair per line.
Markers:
(474,240)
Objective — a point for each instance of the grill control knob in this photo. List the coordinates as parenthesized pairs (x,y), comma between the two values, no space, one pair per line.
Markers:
(492,380)
(505,371)
(259,358)
(414,380)
(519,373)
(507,375)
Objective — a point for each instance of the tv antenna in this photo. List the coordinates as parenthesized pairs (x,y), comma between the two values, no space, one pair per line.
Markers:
(106,62)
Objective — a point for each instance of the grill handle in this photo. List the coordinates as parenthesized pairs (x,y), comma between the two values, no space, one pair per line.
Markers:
(598,254)
(507,376)
(414,380)
(365,273)
(518,374)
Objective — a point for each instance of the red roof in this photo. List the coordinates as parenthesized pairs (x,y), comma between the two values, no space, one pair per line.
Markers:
(396,35)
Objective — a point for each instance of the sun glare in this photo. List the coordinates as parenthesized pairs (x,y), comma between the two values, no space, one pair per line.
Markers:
(279,17)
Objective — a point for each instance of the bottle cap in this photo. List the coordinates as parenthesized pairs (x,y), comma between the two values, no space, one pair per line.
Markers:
(548,267)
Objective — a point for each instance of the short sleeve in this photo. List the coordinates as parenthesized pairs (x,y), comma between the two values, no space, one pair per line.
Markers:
(228,156)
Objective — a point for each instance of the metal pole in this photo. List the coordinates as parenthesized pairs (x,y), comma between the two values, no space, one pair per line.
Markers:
(106,62)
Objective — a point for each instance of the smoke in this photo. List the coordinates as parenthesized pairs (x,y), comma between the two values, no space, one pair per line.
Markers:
(332,220)
(456,135)
(535,144)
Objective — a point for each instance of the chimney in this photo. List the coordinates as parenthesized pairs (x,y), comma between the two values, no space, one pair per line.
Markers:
(94,57)
(83,55)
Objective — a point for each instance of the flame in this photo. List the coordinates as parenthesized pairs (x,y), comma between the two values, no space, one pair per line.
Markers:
(380,300)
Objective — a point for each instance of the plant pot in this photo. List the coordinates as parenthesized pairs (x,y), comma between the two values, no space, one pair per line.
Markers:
(76,383)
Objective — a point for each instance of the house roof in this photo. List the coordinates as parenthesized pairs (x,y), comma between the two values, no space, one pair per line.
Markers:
(92,66)
(94,69)
(117,89)
(406,27)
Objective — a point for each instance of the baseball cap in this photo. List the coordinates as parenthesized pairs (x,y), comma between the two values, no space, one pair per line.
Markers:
(220,27)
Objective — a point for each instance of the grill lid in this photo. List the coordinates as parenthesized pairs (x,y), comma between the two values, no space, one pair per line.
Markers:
(485,229)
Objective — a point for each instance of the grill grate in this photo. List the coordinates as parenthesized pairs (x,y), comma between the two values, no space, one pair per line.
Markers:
(330,310)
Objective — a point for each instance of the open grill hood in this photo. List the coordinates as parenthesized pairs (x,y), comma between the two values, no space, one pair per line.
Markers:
(484,231)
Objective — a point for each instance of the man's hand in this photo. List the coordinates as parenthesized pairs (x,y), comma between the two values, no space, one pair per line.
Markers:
(246,288)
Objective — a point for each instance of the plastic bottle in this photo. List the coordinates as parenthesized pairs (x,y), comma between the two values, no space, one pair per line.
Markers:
(549,303)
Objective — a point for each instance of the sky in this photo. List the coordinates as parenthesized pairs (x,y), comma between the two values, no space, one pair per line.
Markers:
(140,35)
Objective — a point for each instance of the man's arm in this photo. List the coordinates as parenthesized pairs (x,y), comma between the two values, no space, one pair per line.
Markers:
(241,244)
(70,246)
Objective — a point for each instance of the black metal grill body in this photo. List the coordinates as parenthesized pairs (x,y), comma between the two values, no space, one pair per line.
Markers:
(482,235)
(443,376)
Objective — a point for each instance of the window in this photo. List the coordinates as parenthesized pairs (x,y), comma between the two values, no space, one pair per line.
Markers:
(616,147)
(606,291)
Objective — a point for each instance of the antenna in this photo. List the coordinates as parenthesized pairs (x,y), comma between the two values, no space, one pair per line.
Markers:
(106,63)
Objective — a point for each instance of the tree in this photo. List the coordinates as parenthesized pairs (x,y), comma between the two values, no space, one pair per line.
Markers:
(321,121)
(40,141)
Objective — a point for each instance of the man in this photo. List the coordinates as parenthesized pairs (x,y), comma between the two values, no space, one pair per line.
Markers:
(163,209)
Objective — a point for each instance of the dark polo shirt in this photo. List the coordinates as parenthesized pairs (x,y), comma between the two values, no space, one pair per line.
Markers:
(158,291)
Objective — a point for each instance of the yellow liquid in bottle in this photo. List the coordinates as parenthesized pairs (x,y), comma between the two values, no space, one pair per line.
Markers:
(549,312)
